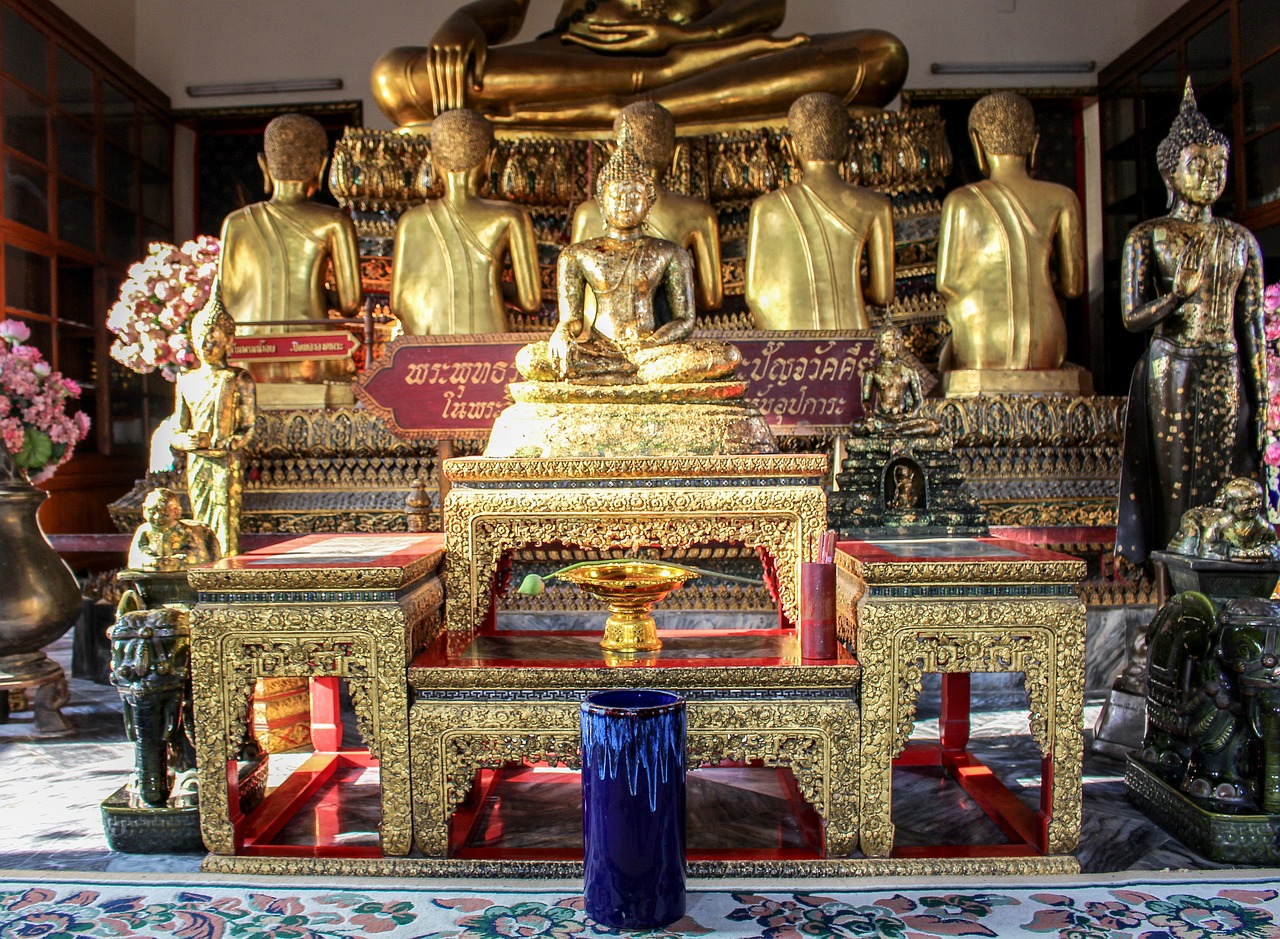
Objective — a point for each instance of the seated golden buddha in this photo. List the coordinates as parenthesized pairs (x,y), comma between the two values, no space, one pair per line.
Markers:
(624,269)
(706,61)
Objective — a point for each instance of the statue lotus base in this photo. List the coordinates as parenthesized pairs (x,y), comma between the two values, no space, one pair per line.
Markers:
(568,420)
(1220,836)
(967,382)
(132,827)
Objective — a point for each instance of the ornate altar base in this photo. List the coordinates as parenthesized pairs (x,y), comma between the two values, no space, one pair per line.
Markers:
(770,503)
(559,420)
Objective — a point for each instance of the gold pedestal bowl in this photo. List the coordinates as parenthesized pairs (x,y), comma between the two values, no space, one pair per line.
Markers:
(630,589)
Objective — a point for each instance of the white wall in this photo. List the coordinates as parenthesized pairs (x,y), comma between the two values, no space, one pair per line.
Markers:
(112,21)
(180,42)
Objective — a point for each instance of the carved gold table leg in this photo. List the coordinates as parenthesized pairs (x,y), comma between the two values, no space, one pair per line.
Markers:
(958,617)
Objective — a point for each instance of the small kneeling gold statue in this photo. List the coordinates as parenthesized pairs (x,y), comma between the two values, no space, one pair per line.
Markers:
(165,541)
(624,269)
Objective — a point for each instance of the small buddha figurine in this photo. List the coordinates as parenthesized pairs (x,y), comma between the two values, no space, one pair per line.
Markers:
(1197,403)
(1233,528)
(891,393)
(275,254)
(165,541)
(690,223)
(449,251)
(807,242)
(999,240)
(624,269)
(215,416)
(703,60)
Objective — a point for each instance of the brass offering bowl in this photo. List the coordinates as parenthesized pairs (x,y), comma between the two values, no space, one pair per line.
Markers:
(630,589)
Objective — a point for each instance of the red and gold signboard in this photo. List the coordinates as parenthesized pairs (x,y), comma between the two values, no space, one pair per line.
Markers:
(294,347)
(454,386)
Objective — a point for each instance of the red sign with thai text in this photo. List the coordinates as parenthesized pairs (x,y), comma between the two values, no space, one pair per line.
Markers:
(454,386)
(293,347)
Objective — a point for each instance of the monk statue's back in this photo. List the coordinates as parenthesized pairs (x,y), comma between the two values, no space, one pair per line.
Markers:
(275,254)
(999,241)
(449,251)
(808,242)
(604,54)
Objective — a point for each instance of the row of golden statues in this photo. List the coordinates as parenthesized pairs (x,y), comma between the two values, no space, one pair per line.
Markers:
(820,250)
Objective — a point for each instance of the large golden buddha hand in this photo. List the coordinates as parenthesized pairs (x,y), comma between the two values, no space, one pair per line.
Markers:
(455,62)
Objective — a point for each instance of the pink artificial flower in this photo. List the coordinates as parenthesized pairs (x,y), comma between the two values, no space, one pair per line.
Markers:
(1271,456)
(1271,298)
(14,331)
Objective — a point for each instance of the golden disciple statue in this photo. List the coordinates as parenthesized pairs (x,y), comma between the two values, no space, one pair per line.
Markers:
(998,242)
(807,242)
(1197,403)
(275,254)
(690,223)
(703,60)
(165,541)
(624,269)
(215,415)
(449,251)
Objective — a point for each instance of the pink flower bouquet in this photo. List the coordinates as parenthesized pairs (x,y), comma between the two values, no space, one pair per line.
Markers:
(1271,314)
(37,431)
(163,291)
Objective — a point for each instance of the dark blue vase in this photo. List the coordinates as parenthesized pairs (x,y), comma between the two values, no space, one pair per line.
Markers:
(633,807)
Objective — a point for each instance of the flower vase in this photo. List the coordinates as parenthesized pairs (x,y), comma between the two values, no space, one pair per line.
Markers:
(633,799)
(39,600)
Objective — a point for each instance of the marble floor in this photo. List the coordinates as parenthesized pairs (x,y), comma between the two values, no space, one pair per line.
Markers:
(50,790)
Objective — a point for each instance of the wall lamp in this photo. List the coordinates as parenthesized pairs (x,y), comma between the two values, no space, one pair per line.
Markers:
(1013,68)
(265,88)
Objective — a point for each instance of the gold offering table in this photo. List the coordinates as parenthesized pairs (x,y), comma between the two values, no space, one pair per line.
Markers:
(355,607)
(959,606)
(506,699)
(771,503)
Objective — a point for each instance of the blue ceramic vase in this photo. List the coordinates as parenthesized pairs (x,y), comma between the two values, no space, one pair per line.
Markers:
(633,807)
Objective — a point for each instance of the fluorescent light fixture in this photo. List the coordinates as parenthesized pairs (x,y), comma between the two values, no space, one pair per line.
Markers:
(1013,68)
(265,88)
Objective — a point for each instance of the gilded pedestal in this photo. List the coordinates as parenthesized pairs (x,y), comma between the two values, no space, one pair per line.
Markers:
(506,699)
(770,503)
(355,607)
(958,606)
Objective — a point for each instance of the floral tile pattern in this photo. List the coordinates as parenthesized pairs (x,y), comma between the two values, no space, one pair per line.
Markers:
(1188,907)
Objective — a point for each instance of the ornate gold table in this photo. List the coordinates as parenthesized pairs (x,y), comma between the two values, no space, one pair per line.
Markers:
(355,607)
(771,503)
(958,606)
(496,700)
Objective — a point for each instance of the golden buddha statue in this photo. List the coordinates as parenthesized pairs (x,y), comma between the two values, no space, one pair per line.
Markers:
(275,253)
(999,239)
(1197,404)
(448,255)
(690,223)
(215,416)
(705,61)
(165,541)
(807,242)
(624,269)
(892,396)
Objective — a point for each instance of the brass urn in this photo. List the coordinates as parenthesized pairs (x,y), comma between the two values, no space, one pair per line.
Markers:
(39,597)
